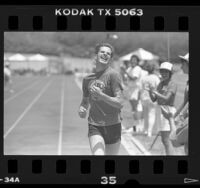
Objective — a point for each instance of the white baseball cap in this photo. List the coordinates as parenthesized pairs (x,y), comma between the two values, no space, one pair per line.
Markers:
(186,57)
(167,66)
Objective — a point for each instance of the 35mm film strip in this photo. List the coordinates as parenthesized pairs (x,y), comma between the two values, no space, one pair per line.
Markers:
(49,50)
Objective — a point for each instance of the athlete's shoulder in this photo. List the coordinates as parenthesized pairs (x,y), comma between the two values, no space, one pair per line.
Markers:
(113,71)
(87,79)
(89,76)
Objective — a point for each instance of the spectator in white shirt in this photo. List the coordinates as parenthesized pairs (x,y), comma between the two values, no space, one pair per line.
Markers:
(134,74)
(149,107)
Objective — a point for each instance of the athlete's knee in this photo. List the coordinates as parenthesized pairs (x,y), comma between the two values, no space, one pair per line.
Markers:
(99,151)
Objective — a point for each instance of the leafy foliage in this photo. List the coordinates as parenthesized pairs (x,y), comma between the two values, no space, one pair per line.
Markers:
(81,44)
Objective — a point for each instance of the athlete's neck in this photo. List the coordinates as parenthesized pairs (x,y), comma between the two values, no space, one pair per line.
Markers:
(101,67)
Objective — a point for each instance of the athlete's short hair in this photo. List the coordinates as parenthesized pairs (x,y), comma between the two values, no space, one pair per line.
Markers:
(98,46)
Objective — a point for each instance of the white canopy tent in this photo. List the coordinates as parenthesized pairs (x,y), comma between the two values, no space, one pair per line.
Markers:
(18,62)
(141,53)
(38,57)
(38,62)
(17,57)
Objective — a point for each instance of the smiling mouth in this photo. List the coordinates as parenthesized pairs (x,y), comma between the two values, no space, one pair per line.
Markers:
(104,59)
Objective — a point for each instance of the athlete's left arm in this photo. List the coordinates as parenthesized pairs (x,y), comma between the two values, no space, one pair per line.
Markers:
(116,86)
(115,101)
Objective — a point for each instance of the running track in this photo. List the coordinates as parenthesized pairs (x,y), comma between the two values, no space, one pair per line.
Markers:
(40,118)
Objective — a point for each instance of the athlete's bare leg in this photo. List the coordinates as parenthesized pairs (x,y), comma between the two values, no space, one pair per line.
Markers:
(113,149)
(97,145)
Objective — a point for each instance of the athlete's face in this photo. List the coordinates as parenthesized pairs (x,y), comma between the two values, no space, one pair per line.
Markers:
(104,55)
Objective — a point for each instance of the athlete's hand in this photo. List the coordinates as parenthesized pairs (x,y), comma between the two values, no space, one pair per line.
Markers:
(82,112)
(96,92)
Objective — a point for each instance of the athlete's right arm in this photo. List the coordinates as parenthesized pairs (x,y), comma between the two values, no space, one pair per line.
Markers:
(83,107)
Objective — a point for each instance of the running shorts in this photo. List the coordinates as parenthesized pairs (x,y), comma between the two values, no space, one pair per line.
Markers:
(111,133)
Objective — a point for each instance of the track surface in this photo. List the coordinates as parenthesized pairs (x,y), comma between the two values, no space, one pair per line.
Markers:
(40,118)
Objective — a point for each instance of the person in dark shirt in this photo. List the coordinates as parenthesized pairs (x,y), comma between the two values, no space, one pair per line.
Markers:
(102,95)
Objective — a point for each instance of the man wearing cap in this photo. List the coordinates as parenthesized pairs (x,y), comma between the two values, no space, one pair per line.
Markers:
(165,96)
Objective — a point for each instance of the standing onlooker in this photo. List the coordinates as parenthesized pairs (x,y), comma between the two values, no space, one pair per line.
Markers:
(165,96)
(149,108)
(183,111)
(134,74)
(7,77)
(139,115)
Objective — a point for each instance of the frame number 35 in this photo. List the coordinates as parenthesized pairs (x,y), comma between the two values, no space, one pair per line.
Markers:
(108,180)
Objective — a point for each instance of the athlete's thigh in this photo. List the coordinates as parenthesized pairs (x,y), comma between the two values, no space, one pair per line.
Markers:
(113,149)
(97,144)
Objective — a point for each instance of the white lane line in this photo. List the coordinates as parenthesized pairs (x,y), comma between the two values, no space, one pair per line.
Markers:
(61,117)
(137,143)
(77,147)
(128,145)
(140,146)
(27,109)
(19,82)
(21,92)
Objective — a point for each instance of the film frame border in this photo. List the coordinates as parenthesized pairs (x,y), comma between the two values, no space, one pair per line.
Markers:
(159,166)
